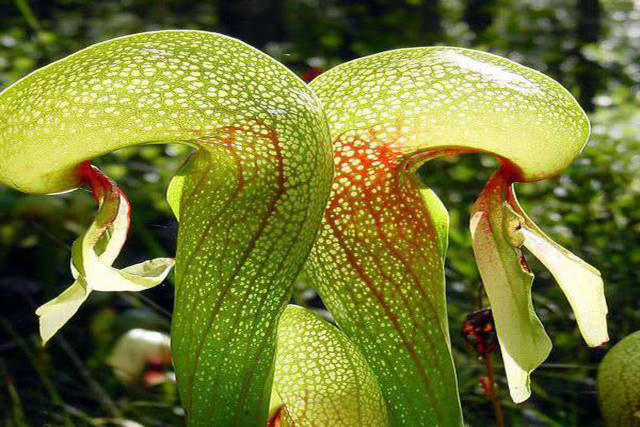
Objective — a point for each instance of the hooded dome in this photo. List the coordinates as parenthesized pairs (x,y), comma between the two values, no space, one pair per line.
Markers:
(445,97)
(156,87)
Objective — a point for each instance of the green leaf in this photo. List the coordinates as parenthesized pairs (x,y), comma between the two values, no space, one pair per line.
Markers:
(429,99)
(440,218)
(321,377)
(619,383)
(176,187)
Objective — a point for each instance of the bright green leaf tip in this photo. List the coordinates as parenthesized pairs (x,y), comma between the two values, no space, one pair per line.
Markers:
(453,97)
(147,88)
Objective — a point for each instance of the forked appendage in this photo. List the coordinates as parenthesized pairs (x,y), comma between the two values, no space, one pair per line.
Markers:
(93,253)
(500,228)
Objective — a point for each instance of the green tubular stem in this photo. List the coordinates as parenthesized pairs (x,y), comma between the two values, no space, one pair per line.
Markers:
(249,199)
(241,241)
(246,226)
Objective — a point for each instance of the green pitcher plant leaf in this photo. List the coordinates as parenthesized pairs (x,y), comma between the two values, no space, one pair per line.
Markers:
(321,378)
(378,262)
(249,198)
(619,383)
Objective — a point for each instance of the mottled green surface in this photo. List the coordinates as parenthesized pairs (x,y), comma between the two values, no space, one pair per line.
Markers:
(619,383)
(251,196)
(378,263)
(451,97)
(321,377)
(249,208)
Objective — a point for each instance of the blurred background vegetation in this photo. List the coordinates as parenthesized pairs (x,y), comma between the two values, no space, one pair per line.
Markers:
(591,46)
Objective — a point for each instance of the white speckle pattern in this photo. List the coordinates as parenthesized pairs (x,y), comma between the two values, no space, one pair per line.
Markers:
(378,262)
(250,206)
(321,377)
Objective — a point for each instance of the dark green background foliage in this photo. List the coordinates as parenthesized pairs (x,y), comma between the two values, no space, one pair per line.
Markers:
(590,46)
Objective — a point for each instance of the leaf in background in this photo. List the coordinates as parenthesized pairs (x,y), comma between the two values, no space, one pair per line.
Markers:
(619,383)
(176,187)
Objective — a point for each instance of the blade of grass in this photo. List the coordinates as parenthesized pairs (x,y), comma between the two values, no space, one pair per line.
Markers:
(101,395)
(17,413)
(42,374)
(27,14)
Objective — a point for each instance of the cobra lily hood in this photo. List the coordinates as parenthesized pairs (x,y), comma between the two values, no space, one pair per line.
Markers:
(255,185)
(381,247)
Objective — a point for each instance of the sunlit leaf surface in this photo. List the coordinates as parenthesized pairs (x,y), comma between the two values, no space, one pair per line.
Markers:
(249,206)
(378,262)
(499,228)
(581,283)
